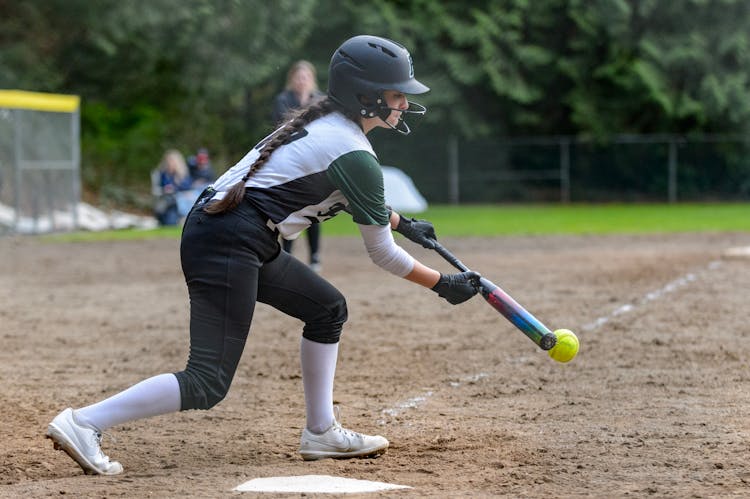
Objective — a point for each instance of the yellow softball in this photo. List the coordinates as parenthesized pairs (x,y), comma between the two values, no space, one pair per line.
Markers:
(566,347)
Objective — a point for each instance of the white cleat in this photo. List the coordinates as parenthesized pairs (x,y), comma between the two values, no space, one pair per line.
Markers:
(82,444)
(339,443)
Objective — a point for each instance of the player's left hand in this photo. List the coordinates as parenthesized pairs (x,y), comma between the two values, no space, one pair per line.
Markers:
(420,231)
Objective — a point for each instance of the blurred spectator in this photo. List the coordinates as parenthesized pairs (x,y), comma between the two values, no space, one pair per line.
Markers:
(173,188)
(201,170)
(301,90)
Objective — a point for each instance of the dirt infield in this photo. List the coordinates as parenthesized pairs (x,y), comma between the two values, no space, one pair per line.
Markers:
(656,404)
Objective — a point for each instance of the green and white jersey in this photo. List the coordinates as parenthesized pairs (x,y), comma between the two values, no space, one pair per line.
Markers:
(326,168)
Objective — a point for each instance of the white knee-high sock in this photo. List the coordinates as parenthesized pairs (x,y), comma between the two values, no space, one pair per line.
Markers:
(318,369)
(151,397)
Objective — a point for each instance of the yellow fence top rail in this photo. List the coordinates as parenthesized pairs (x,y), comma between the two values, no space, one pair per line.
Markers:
(37,101)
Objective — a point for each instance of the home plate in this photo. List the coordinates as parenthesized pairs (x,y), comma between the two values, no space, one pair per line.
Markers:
(312,484)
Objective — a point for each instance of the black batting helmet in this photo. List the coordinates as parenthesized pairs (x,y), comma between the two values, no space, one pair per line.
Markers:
(363,67)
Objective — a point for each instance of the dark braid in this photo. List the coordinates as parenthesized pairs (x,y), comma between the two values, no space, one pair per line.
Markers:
(297,121)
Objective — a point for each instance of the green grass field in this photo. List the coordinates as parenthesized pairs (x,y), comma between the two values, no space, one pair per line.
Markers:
(500,220)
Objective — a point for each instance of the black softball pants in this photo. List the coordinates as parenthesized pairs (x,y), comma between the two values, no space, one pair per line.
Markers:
(231,261)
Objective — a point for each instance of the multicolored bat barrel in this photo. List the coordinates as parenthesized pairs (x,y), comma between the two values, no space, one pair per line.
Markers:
(503,303)
(517,315)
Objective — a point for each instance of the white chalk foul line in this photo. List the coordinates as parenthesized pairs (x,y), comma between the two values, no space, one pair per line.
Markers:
(670,287)
(416,401)
(739,252)
(410,403)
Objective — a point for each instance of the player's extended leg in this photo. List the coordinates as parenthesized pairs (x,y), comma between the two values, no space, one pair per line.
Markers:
(292,287)
(79,432)
(221,256)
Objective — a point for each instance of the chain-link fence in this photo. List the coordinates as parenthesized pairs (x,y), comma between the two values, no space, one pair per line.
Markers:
(39,161)
(649,168)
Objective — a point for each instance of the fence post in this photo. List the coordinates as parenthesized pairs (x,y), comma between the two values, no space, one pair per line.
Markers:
(453,180)
(17,141)
(672,172)
(75,158)
(565,170)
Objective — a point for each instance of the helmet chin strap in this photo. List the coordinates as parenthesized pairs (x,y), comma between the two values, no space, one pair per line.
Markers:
(401,127)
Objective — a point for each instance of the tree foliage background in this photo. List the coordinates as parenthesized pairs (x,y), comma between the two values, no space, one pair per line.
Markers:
(155,74)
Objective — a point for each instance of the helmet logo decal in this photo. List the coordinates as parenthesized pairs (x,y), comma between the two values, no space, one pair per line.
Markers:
(411,67)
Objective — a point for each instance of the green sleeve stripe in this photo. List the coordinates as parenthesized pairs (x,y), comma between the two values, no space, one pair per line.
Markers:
(358,176)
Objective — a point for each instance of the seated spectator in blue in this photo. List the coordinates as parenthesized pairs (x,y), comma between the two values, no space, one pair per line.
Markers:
(201,169)
(176,187)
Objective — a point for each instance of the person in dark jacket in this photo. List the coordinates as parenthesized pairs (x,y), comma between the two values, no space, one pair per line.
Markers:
(301,90)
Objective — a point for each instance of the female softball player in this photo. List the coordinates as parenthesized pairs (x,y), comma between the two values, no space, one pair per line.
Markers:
(313,167)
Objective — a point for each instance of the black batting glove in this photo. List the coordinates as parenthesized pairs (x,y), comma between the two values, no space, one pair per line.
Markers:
(420,231)
(457,288)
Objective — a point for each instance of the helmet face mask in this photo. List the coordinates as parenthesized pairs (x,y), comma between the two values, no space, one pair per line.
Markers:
(362,68)
(384,111)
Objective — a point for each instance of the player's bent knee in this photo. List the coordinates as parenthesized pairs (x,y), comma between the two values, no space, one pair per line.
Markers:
(209,402)
(327,325)
(200,391)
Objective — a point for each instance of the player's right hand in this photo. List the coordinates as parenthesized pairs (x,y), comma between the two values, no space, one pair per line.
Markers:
(457,288)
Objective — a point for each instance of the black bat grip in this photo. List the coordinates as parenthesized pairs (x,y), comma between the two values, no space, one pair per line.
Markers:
(450,258)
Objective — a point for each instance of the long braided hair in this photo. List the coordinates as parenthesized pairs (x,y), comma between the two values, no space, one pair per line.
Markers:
(297,120)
